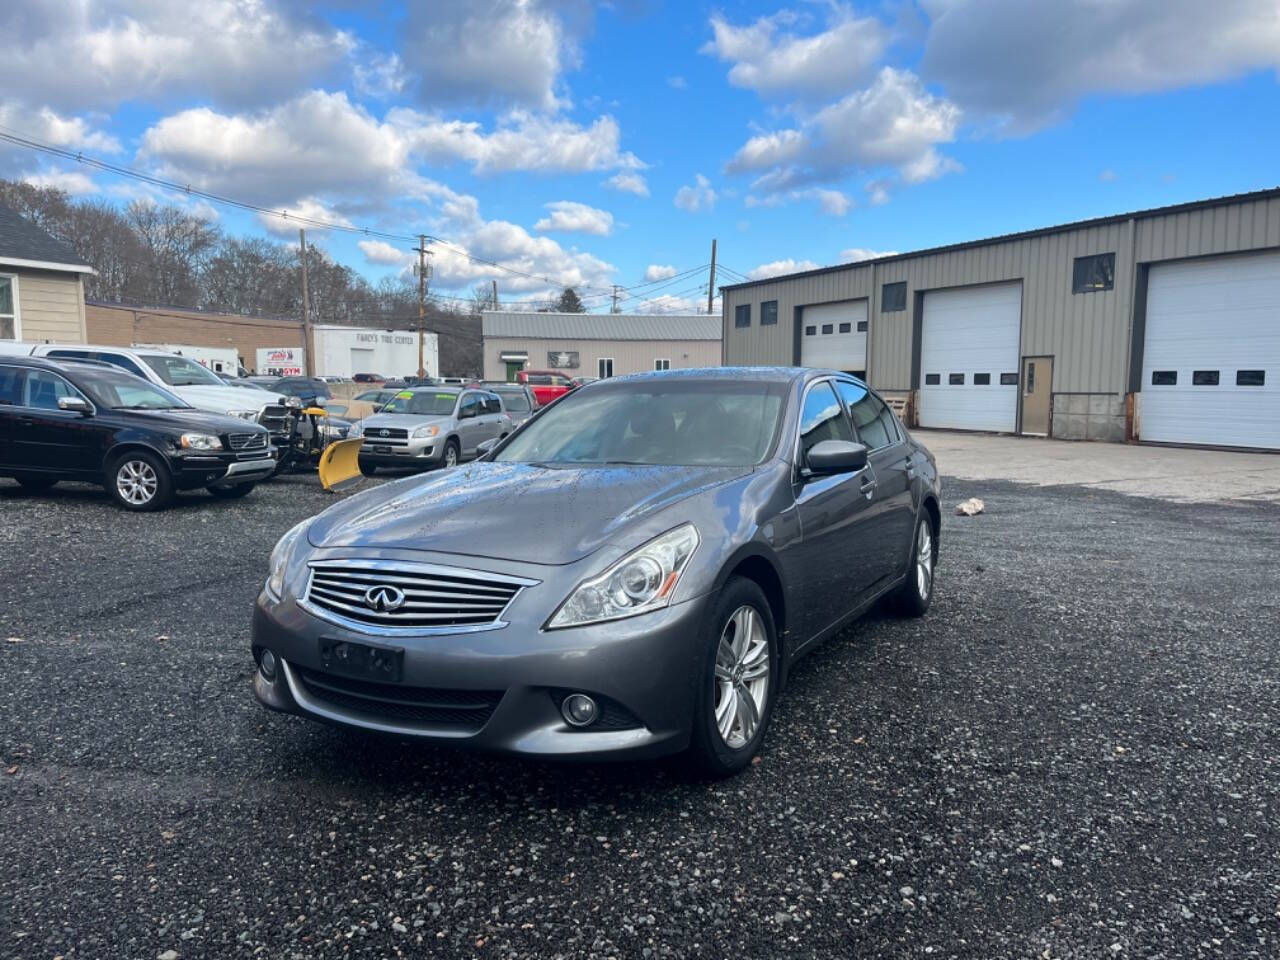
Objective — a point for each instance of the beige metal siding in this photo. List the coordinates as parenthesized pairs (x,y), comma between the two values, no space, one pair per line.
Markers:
(629,356)
(50,305)
(1088,334)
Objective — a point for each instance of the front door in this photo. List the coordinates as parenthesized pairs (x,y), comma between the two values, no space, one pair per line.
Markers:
(48,438)
(513,367)
(1037,387)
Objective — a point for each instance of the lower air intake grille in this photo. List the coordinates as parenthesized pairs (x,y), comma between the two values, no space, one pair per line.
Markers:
(464,709)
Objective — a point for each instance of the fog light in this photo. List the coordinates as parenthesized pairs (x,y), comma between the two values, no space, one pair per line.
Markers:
(267,665)
(579,710)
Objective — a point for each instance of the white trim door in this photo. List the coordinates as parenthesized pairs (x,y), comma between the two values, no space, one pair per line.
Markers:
(1211,353)
(969,358)
(830,338)
(11,312)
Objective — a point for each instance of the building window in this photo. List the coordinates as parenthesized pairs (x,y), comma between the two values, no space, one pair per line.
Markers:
(932,379)
(1094,273)
(846,328)
(742,315)
(604,367)
(810,331)
(955,379)
(1008,379)
(768,313)
(982,379)
(862,326)
(1164,378)
(662,364)
(1204,378)
(1251,378)
(828,328)
(893,297)
(8,309)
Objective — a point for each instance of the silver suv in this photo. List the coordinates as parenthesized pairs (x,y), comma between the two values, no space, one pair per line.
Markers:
(430,426)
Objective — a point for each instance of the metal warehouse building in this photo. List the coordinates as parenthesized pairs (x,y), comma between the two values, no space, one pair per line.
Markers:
(596,345)
(1161,325)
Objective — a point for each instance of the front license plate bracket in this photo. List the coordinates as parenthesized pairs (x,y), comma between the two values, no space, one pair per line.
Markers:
(362,661)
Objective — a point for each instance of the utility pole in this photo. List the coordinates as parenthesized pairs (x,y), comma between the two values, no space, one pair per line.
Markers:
(616,288)
(308,331)
(495,293)
(711,287)
(422,300)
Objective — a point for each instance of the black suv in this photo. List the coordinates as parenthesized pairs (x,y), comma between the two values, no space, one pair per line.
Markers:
(95,422)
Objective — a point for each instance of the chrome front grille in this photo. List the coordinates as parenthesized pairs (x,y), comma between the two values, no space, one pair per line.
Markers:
(392,596)
(247,441)
(275,417)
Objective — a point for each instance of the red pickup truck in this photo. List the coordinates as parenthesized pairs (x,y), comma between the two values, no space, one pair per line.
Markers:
(545,384)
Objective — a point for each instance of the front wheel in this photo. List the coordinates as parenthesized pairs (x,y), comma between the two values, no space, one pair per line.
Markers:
(916,592)
(451,454)
(234,492)
(140,481)
(738,683)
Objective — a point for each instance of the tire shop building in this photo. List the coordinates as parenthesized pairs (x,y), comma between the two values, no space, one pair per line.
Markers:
(1161,325)
(596,345)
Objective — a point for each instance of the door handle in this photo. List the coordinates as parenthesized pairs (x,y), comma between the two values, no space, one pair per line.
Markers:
(868,487)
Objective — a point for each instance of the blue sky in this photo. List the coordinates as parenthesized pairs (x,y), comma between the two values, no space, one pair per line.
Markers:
(594,144)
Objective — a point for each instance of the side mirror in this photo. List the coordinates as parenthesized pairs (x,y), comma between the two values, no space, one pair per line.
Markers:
(485,447)
(75,405)
(836,456)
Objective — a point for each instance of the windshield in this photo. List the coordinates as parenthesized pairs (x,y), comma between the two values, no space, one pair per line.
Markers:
(181,372)
(122,391)
(514,400)
(422,403)
(676,422)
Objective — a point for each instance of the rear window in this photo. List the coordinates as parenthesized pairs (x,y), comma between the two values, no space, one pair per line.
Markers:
(514,400)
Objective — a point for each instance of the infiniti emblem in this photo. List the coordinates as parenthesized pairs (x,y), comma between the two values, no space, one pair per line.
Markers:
(384,598)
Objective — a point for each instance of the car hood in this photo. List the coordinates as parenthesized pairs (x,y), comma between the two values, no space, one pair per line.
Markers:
(512,511)
(222,399)
(402,421)
(188,420)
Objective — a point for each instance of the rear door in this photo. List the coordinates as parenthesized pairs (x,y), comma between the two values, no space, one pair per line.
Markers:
(891,518)
(10,404)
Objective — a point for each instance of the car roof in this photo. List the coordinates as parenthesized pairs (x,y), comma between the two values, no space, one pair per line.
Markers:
(748,374)
(21,360)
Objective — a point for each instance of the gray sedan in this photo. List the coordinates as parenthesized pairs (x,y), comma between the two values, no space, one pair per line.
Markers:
(430,426)
(631,574)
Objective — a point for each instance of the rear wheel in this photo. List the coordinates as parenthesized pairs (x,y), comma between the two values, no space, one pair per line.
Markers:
(139,480)
(738,683)
(913,597)
(35,482)
(233,492)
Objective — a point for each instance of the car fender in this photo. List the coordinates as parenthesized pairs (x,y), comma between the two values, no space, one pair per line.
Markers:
(129,440)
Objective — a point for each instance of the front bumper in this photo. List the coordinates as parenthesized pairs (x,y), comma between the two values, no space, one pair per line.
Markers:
(425,452)
(641,670)
(226,469)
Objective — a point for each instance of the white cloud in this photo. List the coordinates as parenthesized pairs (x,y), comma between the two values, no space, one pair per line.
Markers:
(628,181)
(72,181)
(1108,176)
(833,202)
(572,217)
(86,54)
(382,76)
(894,123)
(777,268)
(382,254)
(493,52)
(308,207)
(878,192)
(699,196)
(521,141)
(773,61)
(1026,63)
(55,129)
(657,271)
(854,254)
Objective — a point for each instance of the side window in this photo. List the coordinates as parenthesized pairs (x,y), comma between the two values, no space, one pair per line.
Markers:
(470,406)
(10,386)
(822,418)
(43,389)
(124,363)
(871,418)
(492,404)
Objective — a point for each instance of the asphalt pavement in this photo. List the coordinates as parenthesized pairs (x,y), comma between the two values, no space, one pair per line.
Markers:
(1075,754)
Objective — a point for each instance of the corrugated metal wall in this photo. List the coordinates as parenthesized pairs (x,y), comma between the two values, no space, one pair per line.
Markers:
(629,356)
(1088,334)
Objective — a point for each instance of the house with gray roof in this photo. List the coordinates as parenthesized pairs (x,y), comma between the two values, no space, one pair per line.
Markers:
(41,284)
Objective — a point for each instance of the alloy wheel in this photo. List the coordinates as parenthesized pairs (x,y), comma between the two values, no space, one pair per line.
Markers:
(450,456)
(741,677)
(137,482)
(924,561)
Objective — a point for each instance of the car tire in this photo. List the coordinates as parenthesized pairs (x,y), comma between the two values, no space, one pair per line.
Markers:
(452,454)
(913,597)
(729,700)
(34,482)
(368,469)
(234,492)
(139,481)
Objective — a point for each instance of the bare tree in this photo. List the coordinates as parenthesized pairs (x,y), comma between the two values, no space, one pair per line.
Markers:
(175,246)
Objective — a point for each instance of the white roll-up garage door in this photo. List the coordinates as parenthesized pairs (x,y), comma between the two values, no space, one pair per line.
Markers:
(969,358)
(833,336)
(1211,354)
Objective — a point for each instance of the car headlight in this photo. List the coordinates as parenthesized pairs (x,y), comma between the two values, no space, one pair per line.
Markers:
(280,560)
(200,441)
(643,580)
(333,431)
(293,403)
(357,430)
(423,432)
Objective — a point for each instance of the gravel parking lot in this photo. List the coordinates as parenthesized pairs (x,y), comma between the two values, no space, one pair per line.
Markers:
(1076,754)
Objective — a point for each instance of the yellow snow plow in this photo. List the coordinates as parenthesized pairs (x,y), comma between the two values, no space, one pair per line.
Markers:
(340,464)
